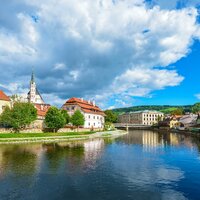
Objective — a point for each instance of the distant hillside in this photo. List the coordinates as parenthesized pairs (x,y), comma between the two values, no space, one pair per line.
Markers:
(165,108)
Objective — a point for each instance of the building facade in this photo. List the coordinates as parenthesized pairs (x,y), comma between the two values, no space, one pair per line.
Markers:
(4,101)
(94,116)
(146,117)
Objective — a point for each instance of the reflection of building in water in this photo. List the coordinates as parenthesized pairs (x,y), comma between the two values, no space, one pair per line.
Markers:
(174,140)
(151,140)
(92,151)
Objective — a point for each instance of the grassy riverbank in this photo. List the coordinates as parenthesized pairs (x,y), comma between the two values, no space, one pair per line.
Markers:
(56,137)
(32,135)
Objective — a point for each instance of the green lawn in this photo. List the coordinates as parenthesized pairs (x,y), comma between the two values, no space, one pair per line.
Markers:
(32,135)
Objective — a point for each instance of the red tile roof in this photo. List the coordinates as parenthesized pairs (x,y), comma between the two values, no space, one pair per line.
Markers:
(86,106)
(3,96)
(42,109)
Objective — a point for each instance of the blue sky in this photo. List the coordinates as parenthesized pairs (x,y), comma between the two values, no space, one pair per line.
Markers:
(119,53)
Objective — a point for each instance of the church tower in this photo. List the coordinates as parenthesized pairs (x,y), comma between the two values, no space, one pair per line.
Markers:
(34,95)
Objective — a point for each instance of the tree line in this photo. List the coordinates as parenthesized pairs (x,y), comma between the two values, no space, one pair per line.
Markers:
(22,115)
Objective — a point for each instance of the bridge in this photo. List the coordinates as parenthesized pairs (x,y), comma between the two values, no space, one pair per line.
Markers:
(131,126)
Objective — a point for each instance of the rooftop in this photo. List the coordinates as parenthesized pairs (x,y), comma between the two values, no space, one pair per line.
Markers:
(86,106)
(3,96)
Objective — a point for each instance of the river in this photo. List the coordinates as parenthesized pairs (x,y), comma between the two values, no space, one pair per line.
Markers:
(139,165)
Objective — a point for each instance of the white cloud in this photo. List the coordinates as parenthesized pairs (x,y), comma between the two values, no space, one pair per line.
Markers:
(197,96)
(59,66)
(112,47)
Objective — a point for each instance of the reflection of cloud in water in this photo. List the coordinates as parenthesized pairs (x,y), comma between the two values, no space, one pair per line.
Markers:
(170,194)
(167,175)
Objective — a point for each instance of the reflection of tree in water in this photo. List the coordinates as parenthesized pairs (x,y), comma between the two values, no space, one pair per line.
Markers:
(19,160)
(57,154)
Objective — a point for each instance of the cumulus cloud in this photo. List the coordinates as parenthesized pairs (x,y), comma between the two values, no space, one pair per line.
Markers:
(99,49)
(197,96)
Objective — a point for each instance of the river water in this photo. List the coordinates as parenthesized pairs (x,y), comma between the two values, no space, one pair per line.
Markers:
(139,165)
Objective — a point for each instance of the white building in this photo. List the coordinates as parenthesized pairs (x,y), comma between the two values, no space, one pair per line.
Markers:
(94,116)
(146,117)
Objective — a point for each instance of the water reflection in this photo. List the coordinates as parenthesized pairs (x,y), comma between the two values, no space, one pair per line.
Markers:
(152,140)
(139,165)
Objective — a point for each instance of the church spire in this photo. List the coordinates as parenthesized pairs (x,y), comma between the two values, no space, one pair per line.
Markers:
(32,77)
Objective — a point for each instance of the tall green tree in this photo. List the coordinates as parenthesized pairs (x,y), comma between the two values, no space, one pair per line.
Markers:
(110,116)
(77,119)
(66,116)
(19,116)
(55,119)
(178,111)
(196,108)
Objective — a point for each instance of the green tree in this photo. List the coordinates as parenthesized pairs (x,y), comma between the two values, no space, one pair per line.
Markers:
(19,116)
(5,117)
(196,108)
(178,111)
(54,119)
(77,119)
(110,116)
(66,116)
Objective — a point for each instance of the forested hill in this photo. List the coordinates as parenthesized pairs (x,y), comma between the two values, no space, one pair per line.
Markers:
(162,108)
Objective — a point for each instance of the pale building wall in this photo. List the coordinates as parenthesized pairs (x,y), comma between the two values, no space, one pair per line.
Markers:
(91,120)
(141,118)
(3,104)
(150,118)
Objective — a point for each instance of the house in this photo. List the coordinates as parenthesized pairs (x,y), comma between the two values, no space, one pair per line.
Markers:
(4,101)
(170,122)
(188,121)
(146,117)
(175,121)
(41,112)
(94,116)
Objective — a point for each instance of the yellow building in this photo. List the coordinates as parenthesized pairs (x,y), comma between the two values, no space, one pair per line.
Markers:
(4,101)
(174,123)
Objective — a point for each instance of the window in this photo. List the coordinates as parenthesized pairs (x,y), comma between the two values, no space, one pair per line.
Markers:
(73,107)
(94,124)
(88,116)
(88,123)
(94,117)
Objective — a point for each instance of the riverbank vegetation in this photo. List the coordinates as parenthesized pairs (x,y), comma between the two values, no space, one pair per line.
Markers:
(19,116)
(166,109)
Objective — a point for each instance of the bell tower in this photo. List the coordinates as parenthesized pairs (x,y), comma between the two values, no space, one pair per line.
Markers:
(32,95)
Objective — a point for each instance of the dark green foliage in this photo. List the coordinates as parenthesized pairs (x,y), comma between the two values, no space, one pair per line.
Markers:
(66,116)
(167,109)
(18,117)
(55,119)
(178,111)
(77,119)
(196,108)
(110,116)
